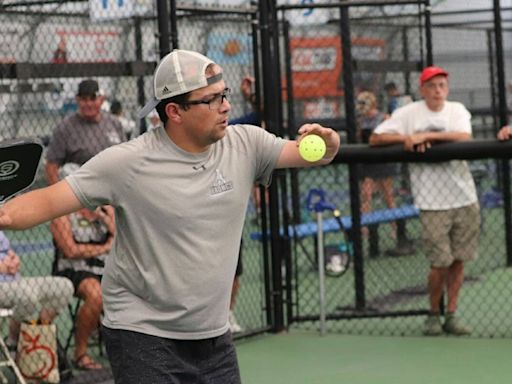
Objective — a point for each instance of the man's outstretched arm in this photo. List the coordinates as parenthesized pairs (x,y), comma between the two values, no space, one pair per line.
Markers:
(36,207)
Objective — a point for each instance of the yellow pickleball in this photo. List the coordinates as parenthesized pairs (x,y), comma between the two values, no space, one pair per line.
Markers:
(312,148)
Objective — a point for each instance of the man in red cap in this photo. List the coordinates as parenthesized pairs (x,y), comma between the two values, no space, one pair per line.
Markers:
(444,192)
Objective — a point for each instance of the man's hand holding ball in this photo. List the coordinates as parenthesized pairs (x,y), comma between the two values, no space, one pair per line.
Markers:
(317,143)
(312,148)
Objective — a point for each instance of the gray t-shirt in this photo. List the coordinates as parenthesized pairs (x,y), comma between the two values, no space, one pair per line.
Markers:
(179,220)
(76,140)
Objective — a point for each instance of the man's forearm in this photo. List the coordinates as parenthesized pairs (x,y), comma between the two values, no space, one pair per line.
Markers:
(36,207)
(447,136)
(27,210)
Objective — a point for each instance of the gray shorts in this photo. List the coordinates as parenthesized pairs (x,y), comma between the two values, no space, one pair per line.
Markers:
(450,235)
(139,358)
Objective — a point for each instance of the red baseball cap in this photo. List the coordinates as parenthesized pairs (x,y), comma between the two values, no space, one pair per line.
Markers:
(430,72)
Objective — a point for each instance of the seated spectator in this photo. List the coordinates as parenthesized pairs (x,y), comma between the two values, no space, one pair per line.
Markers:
(253,118)
(395,99)
(31,298)
(129,125)
(247,91)
(247,86)
(83,240)
(82,135)
(376,177)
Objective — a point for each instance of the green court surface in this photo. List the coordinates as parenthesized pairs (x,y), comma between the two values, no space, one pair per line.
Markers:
(308,358)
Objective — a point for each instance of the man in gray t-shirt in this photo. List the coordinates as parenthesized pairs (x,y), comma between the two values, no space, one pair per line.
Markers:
(180,193)
(83,134)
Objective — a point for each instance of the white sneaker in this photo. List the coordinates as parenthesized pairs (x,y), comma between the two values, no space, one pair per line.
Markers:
(234,327)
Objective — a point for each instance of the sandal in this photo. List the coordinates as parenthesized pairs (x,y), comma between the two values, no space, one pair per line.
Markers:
(86,363)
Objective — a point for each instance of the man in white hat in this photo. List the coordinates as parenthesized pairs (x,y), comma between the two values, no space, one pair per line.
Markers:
(180,193)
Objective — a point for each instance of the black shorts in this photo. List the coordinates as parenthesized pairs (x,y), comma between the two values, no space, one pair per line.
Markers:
(378,171)
(139,358)
(77,277)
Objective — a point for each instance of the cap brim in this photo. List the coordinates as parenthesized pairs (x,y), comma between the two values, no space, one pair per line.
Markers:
(150,105)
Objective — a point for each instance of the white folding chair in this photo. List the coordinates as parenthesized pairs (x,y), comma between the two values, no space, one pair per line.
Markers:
(6,359)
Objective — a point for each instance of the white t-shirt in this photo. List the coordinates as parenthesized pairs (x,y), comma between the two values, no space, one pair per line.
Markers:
(435,186)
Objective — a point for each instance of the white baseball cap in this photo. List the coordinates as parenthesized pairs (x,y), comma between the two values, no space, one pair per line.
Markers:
(177,73)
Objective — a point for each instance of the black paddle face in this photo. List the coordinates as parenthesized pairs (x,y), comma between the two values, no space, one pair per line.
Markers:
(19,160)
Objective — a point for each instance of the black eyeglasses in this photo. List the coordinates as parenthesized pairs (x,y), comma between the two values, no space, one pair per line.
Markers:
(214,102)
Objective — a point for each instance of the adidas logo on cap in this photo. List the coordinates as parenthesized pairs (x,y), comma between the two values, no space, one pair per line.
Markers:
(170,79)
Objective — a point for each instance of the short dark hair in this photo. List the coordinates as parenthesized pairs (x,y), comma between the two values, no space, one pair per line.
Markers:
(88,88)
(390,86)
(116,108)
(179,99)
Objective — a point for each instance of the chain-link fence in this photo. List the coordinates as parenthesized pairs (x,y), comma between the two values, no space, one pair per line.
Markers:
(466,45)
(385,286)
(47,50)
(383,290)
(311,63)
